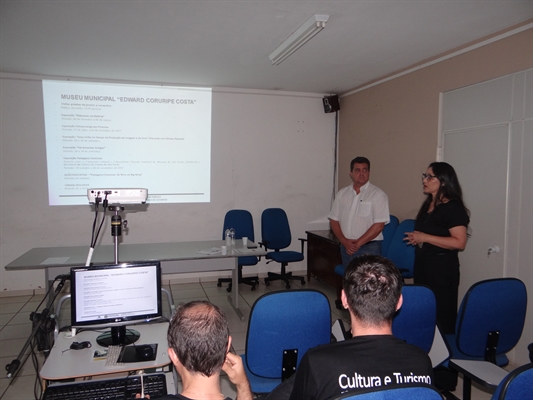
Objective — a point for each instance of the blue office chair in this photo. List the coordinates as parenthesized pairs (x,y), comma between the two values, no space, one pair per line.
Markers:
(490,321)
(400,252)
(280,323)
(243,223)
(276,235)
(518,385)
(415,321)
(388,234)
(419,391)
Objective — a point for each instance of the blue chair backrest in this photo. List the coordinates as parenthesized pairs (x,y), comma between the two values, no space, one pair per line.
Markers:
(518,385)
(418,391)
(388,234)
(491,305)
(400,252)
(243,223)
(293,319)
(275,229)
(415,321)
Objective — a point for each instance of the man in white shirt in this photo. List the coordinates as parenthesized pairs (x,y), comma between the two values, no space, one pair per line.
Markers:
(359,214)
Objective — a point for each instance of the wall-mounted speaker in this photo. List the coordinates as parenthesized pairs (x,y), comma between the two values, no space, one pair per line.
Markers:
(331,103)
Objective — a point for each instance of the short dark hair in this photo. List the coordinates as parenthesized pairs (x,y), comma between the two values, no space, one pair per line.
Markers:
(199,335)
(359,160)
(373,285)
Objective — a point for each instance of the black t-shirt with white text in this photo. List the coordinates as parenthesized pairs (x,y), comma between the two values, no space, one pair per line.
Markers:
(359,363)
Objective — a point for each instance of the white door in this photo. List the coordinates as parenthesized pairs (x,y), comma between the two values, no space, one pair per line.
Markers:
(479,156)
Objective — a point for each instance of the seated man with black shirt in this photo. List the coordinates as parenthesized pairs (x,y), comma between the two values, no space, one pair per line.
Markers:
(373,357)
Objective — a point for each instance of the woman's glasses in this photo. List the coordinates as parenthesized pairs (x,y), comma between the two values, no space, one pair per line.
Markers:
(428,177)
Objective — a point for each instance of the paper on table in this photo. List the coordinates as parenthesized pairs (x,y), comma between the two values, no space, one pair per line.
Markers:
(212,250)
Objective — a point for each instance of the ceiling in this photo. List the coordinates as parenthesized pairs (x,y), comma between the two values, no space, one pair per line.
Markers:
(222,43)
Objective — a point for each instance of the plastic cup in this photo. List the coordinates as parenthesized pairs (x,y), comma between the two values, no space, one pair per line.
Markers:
(244,241)
(224,250)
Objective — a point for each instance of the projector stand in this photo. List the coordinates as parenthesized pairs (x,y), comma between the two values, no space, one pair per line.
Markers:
(116,227)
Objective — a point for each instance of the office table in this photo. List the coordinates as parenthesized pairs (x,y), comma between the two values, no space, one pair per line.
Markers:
(175,258)
(63,363)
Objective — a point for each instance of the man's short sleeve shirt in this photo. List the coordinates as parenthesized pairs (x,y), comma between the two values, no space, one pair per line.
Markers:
(358,212)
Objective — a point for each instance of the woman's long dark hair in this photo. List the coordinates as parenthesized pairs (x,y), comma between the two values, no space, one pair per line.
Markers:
(449,187)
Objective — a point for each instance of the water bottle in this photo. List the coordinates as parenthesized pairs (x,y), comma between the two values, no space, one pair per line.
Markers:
(232,236)
(228,238)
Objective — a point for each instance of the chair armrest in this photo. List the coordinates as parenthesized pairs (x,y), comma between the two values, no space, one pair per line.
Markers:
(482,372)
(302,240)
(264,244)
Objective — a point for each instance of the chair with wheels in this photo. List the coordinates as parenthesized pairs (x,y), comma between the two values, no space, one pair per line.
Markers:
(388,234)
(283,325)
(243,224)
(415,321)
(418,391)
(276,236)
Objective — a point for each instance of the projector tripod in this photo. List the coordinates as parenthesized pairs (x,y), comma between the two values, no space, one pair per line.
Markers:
(116,227)
(116,231)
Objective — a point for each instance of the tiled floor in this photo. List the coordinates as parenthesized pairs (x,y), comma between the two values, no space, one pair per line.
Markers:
(15,328)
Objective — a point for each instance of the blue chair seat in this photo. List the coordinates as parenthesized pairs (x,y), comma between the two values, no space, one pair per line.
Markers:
(285,257)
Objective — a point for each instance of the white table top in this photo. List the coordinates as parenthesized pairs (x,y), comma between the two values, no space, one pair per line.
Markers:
(63,363)
(48,257)
(483,372)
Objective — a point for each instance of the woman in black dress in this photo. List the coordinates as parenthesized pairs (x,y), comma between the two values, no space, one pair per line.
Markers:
(440,233)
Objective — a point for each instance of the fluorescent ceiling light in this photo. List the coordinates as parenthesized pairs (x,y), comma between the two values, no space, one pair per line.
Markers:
(305,32)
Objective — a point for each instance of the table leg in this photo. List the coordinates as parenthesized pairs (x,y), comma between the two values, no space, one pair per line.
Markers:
(234,297)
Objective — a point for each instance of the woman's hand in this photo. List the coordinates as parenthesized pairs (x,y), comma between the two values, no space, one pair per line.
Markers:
(414,238)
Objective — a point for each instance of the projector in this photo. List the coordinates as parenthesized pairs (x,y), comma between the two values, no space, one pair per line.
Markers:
(118,196)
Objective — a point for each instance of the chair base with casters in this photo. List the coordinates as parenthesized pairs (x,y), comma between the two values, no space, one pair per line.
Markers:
(284,258)
(283,276)
(253,281)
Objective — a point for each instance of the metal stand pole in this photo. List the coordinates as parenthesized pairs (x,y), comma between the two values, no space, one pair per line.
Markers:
(116,227)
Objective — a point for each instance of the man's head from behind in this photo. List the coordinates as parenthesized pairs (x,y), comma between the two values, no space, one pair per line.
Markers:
(372,286)
(199,337)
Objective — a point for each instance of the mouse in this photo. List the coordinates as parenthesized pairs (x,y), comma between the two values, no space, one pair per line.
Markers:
(144,352)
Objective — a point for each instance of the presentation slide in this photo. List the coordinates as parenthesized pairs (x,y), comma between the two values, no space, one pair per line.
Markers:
(116,293)
(102,135)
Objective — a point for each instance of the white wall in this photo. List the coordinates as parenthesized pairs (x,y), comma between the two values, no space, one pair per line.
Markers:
(269,149)
(492,153)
